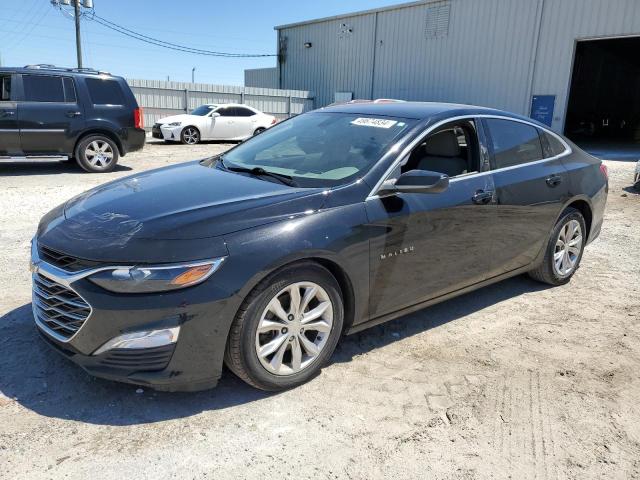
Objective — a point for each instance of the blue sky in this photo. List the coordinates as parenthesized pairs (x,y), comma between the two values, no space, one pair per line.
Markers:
(32,31)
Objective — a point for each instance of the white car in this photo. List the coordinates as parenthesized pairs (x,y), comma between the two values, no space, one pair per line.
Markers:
(636,176)
(229,121)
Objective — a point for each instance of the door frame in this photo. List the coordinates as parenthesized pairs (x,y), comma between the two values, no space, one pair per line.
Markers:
(481,137)
(592,38)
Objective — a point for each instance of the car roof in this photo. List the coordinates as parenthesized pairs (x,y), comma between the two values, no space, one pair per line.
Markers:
(419,110)
(229,105)
(53,70)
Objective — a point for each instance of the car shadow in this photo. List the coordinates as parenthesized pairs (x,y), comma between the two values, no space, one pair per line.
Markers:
(633,190)
(43,381)
(159,142)
(434,316)
(45,167)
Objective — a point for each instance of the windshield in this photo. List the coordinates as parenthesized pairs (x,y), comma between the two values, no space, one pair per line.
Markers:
(320,149)
(203,110)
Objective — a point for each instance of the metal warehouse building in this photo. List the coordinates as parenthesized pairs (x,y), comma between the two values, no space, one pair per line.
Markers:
(572,64)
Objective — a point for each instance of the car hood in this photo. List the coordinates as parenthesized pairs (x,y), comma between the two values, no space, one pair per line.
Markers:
(187,202)
(184,117)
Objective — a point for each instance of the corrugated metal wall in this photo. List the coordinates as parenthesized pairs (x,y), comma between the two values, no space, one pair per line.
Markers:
(496,53)
(338,61)
(161,99)
(486,39)
(261,77)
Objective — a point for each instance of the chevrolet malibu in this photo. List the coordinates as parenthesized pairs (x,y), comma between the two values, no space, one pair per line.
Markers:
(324,225)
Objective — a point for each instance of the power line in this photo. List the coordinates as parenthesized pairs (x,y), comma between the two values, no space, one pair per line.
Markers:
(16,42)
(172,46)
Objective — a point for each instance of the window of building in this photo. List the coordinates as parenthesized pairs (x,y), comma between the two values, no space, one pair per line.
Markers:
(514,143)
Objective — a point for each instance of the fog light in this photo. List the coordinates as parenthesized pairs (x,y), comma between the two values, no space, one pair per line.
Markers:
(143,339)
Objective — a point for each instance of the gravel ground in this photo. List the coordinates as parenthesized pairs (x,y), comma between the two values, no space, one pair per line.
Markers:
(516,380)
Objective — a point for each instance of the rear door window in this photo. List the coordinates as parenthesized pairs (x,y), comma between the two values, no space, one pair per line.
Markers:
(43,88)
(5,88)
(514,143)
(69,90)
(105,92)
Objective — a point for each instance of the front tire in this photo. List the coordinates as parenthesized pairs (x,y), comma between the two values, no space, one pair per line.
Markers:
(287,328)
(564,249)
(97,154)
(190,136)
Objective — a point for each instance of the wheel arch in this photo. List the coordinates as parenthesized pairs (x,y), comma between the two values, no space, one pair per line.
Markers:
(583,205)
(191,126)
(100,131)
(337,271)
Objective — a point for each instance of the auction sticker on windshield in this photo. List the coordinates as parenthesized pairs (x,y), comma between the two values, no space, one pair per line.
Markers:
(374,122)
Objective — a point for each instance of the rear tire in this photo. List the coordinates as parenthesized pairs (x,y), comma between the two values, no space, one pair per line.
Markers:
(190,136)
(97,154)
(259,131)
(564,249)
(298,347)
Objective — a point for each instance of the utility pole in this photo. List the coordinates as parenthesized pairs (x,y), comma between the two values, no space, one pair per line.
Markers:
(65,7)
(76,4)
(193,75)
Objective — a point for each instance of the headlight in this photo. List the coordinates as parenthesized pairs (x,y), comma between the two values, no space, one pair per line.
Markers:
(175,124)
(160,278)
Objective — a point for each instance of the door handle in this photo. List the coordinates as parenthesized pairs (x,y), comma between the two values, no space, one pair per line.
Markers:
(482,198)
(73,114)
(8,113)
(554,180)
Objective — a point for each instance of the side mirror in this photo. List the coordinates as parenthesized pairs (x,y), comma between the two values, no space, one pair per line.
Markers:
(416,181)
(215,114)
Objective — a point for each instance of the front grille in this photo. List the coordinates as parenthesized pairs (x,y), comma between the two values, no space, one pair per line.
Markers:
(64,261)
(57,307)
(146,359)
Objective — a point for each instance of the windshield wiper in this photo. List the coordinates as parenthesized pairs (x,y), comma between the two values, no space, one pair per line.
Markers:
(259,172)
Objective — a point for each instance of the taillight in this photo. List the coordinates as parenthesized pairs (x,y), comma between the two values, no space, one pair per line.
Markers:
(274,121)
(605,172)
(138,118)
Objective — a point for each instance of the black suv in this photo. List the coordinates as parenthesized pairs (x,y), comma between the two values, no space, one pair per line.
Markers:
(84,114)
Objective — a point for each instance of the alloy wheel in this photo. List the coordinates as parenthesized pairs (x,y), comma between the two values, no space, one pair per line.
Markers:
(99,154)
(568,248)
(190,136)
(294,328)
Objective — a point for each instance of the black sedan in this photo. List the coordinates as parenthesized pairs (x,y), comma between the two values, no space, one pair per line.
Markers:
(325,224)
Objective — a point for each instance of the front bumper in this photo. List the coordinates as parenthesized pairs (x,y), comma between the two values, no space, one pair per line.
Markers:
(155,131)
(165,132)
(203,312)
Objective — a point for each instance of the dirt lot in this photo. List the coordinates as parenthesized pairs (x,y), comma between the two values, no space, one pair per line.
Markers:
(513,381)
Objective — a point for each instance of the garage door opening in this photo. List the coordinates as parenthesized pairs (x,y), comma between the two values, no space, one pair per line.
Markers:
(604,100)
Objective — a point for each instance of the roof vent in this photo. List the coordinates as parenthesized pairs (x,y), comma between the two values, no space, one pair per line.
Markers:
(437,24)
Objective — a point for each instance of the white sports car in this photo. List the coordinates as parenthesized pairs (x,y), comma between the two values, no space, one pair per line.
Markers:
(230,121)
